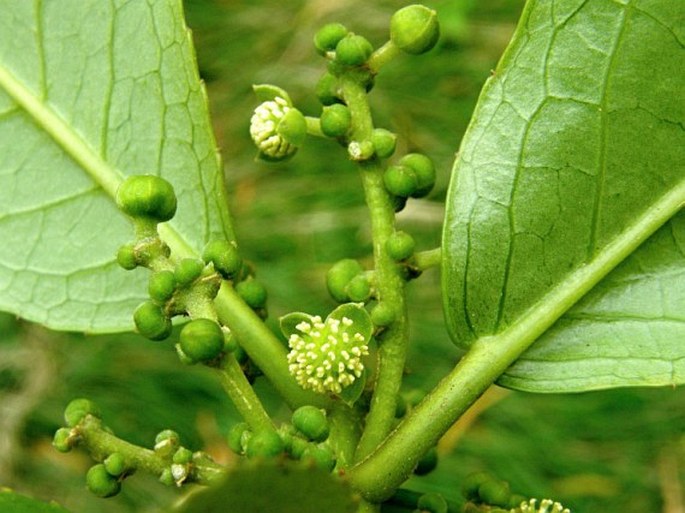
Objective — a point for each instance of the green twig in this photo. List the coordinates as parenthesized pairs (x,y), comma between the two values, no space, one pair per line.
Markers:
(382,56)
(426,259)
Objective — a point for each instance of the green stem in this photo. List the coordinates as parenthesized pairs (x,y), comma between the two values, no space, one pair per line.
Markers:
(382,56)
(426,259)
(379,475)
(314,126)
(389,282)
(243,395)
(265,350)
(368,507)
(345,431)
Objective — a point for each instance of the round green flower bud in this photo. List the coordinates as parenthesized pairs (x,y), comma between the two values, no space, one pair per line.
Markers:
(126,257)
(297,446)
(400,181)
(322,456)
(77,409)
(353,50)
(293,127)
(383,315)
(115,464)
(328,37)
(101,483)
(358,289)
(161,285)
(495,492)
(414,29)
(182,456)
(187,270)
(252,292)
(147,196)
(224,256)
(265,444)
(311,422)
(427,463)
(201,340)
(432,502)
(400,246)
(236,437)
(63,441)
(360,150)
(327,89)
(425,172)
(339,275)
(399,203)
(336,120)
(472,482)
(151,321)
(384,142)
(167,437)
(167,478)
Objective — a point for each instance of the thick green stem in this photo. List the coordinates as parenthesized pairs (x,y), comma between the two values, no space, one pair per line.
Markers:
(314,126)
(345,431)
(243,395)
(389,281)
(426,259)
(265,350)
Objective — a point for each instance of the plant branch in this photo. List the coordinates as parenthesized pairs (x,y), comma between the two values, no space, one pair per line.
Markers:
(426,259)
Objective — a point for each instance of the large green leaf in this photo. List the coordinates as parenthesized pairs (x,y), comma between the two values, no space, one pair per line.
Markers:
(91,91)
(11,502)
(575,155)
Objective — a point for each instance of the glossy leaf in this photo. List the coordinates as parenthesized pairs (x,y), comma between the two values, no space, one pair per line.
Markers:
(92,91)
(14,503)
(576,149)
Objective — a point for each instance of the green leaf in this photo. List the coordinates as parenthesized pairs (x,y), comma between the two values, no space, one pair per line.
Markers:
(14,503)
(286,487)
(361,320)
(290,321)
(92,91)
(575,157)
(268,92)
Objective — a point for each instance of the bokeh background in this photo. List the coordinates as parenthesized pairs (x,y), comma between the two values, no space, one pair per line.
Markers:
(617,451)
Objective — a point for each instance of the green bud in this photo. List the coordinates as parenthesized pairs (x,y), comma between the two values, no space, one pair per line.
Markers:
(187,270)
(359,289)
(115,464)
(335,120)
(328,37)
(399,203)
(77,409)
(252,292)
(265,444)
(236,435)
(201,340)
(162,285)
(297,447)
(151,321)
(327,89)
(472,482)
(339,275)
(293,127)
(147,196)
(414,29)
(353,50)
(384,142)
(400,246)
(169,437)
(321,455)
(427,463)
(63,440)
(224,256)
(383,315)
(182,456)
(101,483)
(495,492)
(432,502)
(425,172)
(126,257)
(311,422)
(400,181)
(360,150)
(167,477)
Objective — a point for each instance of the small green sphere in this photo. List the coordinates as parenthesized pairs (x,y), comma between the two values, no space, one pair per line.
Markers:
(384,142)
(432,502)
(187,270)
(168,436)
(425,172)
(115,464)
(182,456)
(126,257)
(311,422)
(335,120)
(201,340)
(359,289)
(101,483)
(327,89)
(265,444)
(472,482)
(414,29)
(162,285)
(321,455)
(328,37)
(353,50)
(252,292)
(151,321)
(293,127)
(400,246)
(339,275)
(63,441)
(427,463)
(224,256)
(383,315)
(147,196)
(77,409)
(400,180)
(236,435)
(495,492)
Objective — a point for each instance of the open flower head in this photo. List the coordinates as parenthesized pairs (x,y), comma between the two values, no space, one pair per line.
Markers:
(327,356)
(546,506)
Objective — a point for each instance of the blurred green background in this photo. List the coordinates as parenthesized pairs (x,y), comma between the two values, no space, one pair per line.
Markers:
(617,451)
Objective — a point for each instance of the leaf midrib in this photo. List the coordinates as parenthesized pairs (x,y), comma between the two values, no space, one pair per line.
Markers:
(74,145)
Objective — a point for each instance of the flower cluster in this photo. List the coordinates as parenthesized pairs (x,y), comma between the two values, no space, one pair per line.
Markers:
(546,506)
(326,356)
(264,128)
